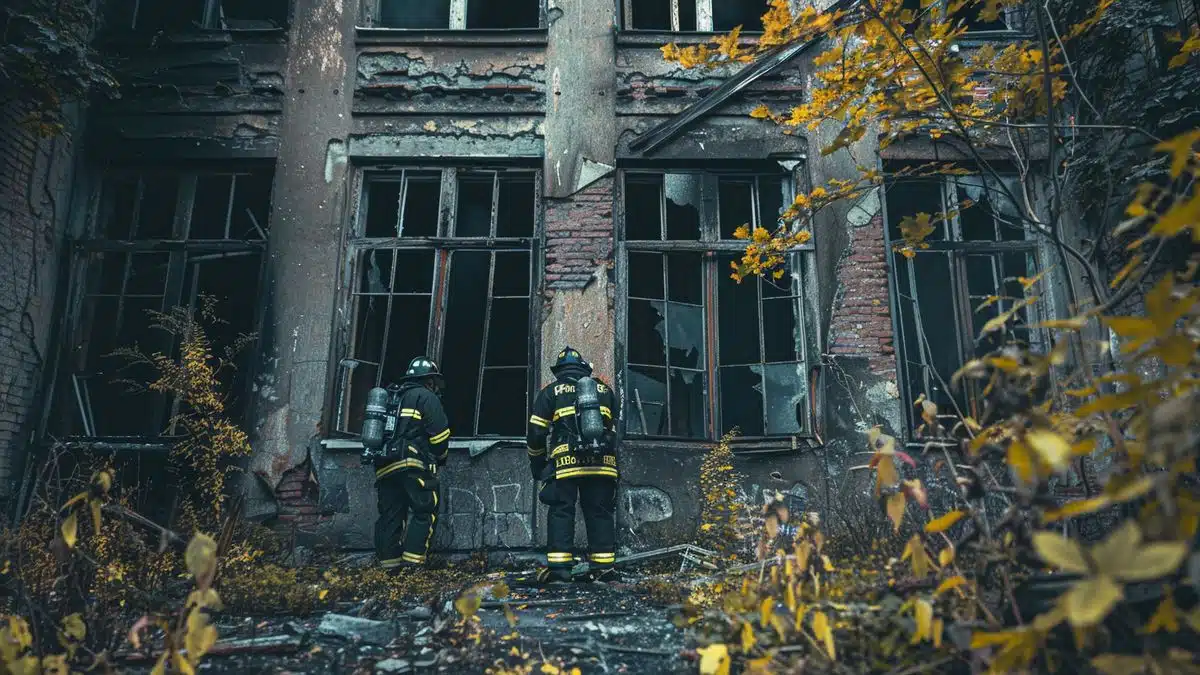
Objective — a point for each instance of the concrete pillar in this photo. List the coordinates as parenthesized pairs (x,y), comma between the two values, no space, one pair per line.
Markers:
(581,138)
(306,227)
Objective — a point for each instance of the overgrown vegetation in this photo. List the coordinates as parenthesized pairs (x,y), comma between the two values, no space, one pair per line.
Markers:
(47,59)
(963,589)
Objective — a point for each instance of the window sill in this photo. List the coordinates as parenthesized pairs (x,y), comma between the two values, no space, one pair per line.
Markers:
(475,447)
(482,37)
(200,37)
(772,446)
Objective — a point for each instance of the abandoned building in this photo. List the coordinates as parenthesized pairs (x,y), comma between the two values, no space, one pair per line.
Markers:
(361,182)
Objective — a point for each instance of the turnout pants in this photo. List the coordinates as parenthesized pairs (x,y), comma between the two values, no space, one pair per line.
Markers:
(597,497)
(408,503)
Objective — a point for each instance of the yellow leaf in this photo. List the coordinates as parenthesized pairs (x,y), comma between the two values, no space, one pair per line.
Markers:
(939,627)
(1074,323)
(748,638)
(468,604)
(1117,550)
(1090,600)
(762,112)
(924,618)
(55,665)
(510,616)
(200,637)
(895,509)
(1166,617)
(985,640)
(323,592)
(201,557)
(94,504)
(824,633)
(1076,508)
(944,522)
(1180,149)
(921,563)
(1059,551)
(70,530)
(1133,490)
(950,584)
(1051,448)
(74,627)
(1020,460)
(1134,327)
(1153,561)
(946,556)
(714,660)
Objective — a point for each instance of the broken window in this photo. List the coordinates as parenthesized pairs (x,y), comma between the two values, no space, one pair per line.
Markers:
(160,240)
(183,15)
(443,264)
(694,15)
(458,14)
(703,353)
(970,273)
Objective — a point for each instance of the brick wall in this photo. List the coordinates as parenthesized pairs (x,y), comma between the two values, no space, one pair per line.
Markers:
(33,172)
(579,235)
(862,321)
(299,496)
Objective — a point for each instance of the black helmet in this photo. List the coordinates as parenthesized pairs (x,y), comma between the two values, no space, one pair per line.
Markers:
(421,368)
(569,357)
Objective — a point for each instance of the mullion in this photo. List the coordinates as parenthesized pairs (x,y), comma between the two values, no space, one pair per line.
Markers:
(494,216)
(229,206)
(762,352)
(387,325)
(136,224)
(401,204)
(666,334)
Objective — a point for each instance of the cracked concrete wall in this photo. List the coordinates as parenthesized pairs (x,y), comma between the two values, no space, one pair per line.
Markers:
(306,230)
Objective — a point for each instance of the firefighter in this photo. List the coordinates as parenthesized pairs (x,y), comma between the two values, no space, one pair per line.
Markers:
(574,471)
(407,479)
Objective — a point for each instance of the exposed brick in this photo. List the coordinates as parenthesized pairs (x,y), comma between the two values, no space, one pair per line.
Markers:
(579,235)
(862,323)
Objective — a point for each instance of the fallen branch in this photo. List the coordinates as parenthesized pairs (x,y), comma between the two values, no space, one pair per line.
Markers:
(274,644)
(137,518)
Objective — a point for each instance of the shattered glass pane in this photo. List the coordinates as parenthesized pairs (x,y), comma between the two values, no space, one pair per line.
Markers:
(735,205)
(160,193)
(646,275)
(683,199)
(474,205)
(508,333)
(504,412)
(369,323)
(375,271)
(685,334)
(647,327)
(414,271)
(975,221)
(643,208)
(781,330)
(515,210)
(465,312)
(689,395)
(786,397)
(210,212)
(907,197)
(742,399)
(738,318)
(645,403)
(414,13)
(508,14)
(116,219)
(423,191)
(512,274)
(729,14)
(251,206)
(383,208)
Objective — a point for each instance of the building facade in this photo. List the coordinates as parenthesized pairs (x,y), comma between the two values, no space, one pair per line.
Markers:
(362,181)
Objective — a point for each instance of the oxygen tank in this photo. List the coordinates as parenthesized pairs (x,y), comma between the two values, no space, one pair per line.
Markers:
(587,411)
(375,418)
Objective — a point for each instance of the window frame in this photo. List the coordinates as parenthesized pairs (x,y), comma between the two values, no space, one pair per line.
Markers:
(704,11)
(956,251)
(803,262)
(209,21)
(372,11)
(85,270)
(355,243)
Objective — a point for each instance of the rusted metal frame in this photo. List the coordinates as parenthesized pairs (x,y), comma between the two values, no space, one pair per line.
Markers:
(487,308)
(723,246)
(447,216)
(398,228)
(709,233)
(704,15)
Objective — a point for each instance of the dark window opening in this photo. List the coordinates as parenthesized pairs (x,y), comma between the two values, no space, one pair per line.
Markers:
(503,14)
(729,14)
(660,15)
(475,303)
(414,13)
(969,274)
(971,13)
(185,15)
(682,304)
(103,394)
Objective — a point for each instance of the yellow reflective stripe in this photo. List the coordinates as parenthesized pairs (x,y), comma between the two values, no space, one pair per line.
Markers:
(602,557)
(538,421)
(536,453)
(563,412)
(413,557)
(410,412)
(558,450)
(559,557)
(587,471)
(440,437)
(396,466)
(420,482)
(604,410)
(390,562)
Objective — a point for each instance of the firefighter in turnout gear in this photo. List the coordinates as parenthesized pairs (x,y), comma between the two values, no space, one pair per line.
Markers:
(575,468)
(406,479)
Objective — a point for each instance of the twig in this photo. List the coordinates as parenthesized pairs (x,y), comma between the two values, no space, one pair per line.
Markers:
(133,517)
